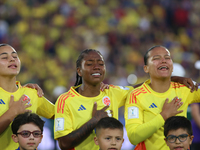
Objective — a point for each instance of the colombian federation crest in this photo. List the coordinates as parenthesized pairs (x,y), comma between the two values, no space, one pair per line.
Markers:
(106,100)
(25,98)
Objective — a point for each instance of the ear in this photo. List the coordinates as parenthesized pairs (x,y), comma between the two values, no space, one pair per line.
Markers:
(146,69)
(166,141)
(79,71)
(191,139)
(123,140)
(41,138)
(15,138)
(96,140)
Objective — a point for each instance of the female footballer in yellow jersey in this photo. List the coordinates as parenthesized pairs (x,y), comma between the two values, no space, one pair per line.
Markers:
(79,109)
(148,106)
(15,99)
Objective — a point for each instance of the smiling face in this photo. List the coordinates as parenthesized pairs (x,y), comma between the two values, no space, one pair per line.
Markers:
(92,68)
(30,143)
(109,139)
(9,61)
(178,145)
(159,63)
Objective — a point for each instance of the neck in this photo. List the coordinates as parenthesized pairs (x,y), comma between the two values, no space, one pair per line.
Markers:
(8,84)
(160,86)
(89,90)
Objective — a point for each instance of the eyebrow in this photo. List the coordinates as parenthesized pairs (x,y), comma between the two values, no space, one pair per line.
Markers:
(94,60)
(7,53)
(159,55)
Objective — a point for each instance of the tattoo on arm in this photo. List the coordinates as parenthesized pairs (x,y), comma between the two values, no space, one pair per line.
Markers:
(78,136)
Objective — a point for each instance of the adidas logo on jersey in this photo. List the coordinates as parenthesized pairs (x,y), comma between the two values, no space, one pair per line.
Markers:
(153,106)
(2,102)
(81,108)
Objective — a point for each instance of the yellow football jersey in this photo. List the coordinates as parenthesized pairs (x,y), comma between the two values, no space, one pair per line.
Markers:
(144,124)
(40,106)
(73,110)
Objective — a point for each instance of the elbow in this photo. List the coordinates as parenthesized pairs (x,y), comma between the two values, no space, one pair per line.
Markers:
(133,138)
(134,142)
(64,145)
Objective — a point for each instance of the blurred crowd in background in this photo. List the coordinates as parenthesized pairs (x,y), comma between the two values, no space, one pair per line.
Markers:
(50,34)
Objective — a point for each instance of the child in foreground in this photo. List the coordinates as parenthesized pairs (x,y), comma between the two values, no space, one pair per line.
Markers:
(27,130)
(178,133)
(109,134)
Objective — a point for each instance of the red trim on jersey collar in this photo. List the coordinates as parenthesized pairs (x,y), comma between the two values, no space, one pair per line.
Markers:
(146,88)
(74,91)
(62,99)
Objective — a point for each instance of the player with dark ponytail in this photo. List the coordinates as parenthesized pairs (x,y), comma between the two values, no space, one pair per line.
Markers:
(75,118)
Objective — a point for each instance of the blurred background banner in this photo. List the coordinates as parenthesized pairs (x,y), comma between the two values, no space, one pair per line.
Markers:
(50,34)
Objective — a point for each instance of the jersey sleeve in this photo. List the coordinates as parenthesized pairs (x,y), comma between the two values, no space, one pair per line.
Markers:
(45,108)
(121,92)
(137,130)
(63,119)
(195,96)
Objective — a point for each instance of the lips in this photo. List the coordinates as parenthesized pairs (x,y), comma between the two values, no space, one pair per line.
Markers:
(31,144)
(178,148)
(12,66)
(96,74)
(163,68)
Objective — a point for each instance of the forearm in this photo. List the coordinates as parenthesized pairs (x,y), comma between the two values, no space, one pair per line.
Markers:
(175,78)
(76,137)
(195,113)
(186,81)
(139,133)
(197,120)
(5,120)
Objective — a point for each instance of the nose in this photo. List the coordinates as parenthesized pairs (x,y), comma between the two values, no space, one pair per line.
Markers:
(163,60)
(113,142)
(11,58)
(177,140)
(31,137)
(96,66)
